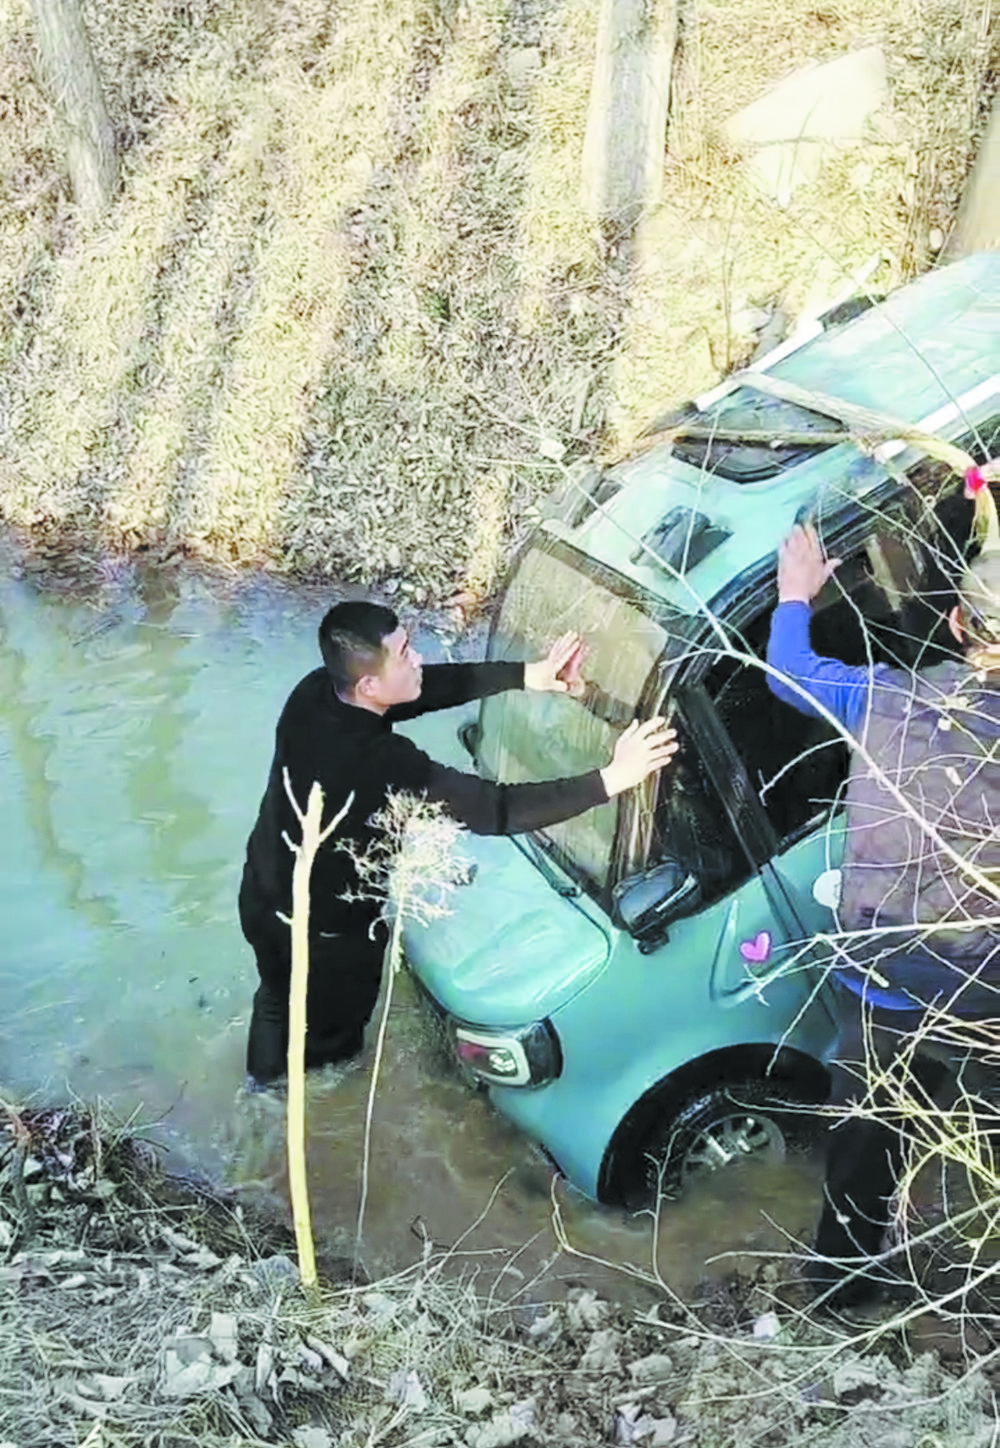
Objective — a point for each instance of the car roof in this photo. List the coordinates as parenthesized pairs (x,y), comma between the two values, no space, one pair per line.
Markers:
(931,342)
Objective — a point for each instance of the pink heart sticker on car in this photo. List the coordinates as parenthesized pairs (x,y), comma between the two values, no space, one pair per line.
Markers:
(757,950)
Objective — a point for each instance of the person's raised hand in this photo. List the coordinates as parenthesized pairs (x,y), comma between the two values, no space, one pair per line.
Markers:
(559,671)
(640,751)
(803,567)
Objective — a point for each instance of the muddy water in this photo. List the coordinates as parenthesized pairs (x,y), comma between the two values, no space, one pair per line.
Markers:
(137,708)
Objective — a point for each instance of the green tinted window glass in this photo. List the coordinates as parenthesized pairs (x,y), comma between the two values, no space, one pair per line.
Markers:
(529,736)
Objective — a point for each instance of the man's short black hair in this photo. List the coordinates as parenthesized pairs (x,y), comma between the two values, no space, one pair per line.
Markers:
(351,640)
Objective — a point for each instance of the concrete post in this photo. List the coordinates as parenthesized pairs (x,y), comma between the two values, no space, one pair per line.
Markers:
(629,100)
(978,225)
(75,91)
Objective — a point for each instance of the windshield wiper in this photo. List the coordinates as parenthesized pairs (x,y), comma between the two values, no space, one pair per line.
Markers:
(538,852)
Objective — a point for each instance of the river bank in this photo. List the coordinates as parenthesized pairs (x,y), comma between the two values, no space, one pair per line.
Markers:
(138,1308)
(350,315)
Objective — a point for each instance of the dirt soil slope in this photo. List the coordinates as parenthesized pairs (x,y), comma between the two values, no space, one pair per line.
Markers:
(349,316)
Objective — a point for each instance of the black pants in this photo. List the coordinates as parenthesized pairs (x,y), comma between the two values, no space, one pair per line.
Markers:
(864,1155)
(345,972)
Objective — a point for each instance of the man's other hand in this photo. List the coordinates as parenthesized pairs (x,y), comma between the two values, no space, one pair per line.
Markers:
(803,568)
(642,749)
(559,671)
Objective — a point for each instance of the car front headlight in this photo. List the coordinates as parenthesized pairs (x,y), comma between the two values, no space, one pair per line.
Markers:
(526,1056)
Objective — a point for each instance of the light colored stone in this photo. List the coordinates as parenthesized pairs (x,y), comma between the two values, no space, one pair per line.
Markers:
(652,1369)
(359,168)
(405,1388)
(500,1432)
(224,1336)
(522,1415)
(377,1303)
(750,319)
(522,64)
(311,1437)
(664,1431)
(875,1372)
(586,1313)
(190,1380)
(546,1329)
(111,1387)
(473,1402)
(601,1355)
(789,129)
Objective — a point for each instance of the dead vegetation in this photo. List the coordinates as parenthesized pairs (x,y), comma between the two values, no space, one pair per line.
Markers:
(143,1311)
(348,314)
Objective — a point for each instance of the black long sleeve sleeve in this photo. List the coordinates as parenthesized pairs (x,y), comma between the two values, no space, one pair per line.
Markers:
(488,808)
(445,686)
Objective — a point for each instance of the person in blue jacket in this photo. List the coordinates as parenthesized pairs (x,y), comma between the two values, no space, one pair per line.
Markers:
(919,908)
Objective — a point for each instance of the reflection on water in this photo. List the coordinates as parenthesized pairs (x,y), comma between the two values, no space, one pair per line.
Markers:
(137,712)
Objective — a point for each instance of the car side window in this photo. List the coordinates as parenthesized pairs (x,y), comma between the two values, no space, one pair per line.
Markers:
(796,764)
(692,829)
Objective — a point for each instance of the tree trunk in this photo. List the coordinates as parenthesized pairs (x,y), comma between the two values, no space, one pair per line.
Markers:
(629,100)
(75,91)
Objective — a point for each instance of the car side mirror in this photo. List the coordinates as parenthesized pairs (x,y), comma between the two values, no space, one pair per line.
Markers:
(645,904)
(469,735)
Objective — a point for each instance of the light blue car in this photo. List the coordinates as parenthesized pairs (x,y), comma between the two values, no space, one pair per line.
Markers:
(644,989)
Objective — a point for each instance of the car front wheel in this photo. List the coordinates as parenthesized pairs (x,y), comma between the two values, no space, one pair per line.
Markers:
(721,1126)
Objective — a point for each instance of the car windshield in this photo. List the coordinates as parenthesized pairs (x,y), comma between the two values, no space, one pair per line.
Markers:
(533,736)
(748,436)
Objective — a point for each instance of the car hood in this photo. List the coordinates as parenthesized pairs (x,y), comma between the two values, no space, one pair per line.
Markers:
(512,950)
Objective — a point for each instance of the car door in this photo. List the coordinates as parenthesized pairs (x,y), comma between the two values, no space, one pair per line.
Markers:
(712,817)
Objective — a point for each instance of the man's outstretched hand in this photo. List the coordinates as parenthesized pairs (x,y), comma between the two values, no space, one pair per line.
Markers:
(559,671)
(640,750)
(803,567)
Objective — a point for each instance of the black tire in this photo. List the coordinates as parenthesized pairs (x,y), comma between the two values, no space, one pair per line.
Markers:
(720,1126)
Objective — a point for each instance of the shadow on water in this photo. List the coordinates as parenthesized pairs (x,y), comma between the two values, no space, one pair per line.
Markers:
(137,710)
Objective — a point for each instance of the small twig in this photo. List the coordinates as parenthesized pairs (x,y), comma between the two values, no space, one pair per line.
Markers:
(313,835)
(25,1210)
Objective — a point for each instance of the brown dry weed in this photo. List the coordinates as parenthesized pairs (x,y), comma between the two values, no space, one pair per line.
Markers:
(349,312)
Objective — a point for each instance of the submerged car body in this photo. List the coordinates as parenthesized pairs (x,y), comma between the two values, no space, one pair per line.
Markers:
(649,981)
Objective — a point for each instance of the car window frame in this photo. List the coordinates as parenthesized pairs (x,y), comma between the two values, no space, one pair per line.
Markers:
(688,700)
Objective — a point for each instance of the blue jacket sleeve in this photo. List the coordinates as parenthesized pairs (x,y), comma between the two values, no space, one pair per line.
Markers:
(843,689)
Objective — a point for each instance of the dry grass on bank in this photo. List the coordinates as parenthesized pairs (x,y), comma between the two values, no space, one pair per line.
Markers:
(349,290)
(717,250)
(136,1312)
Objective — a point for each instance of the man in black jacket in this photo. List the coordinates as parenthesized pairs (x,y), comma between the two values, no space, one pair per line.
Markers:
(336,728)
